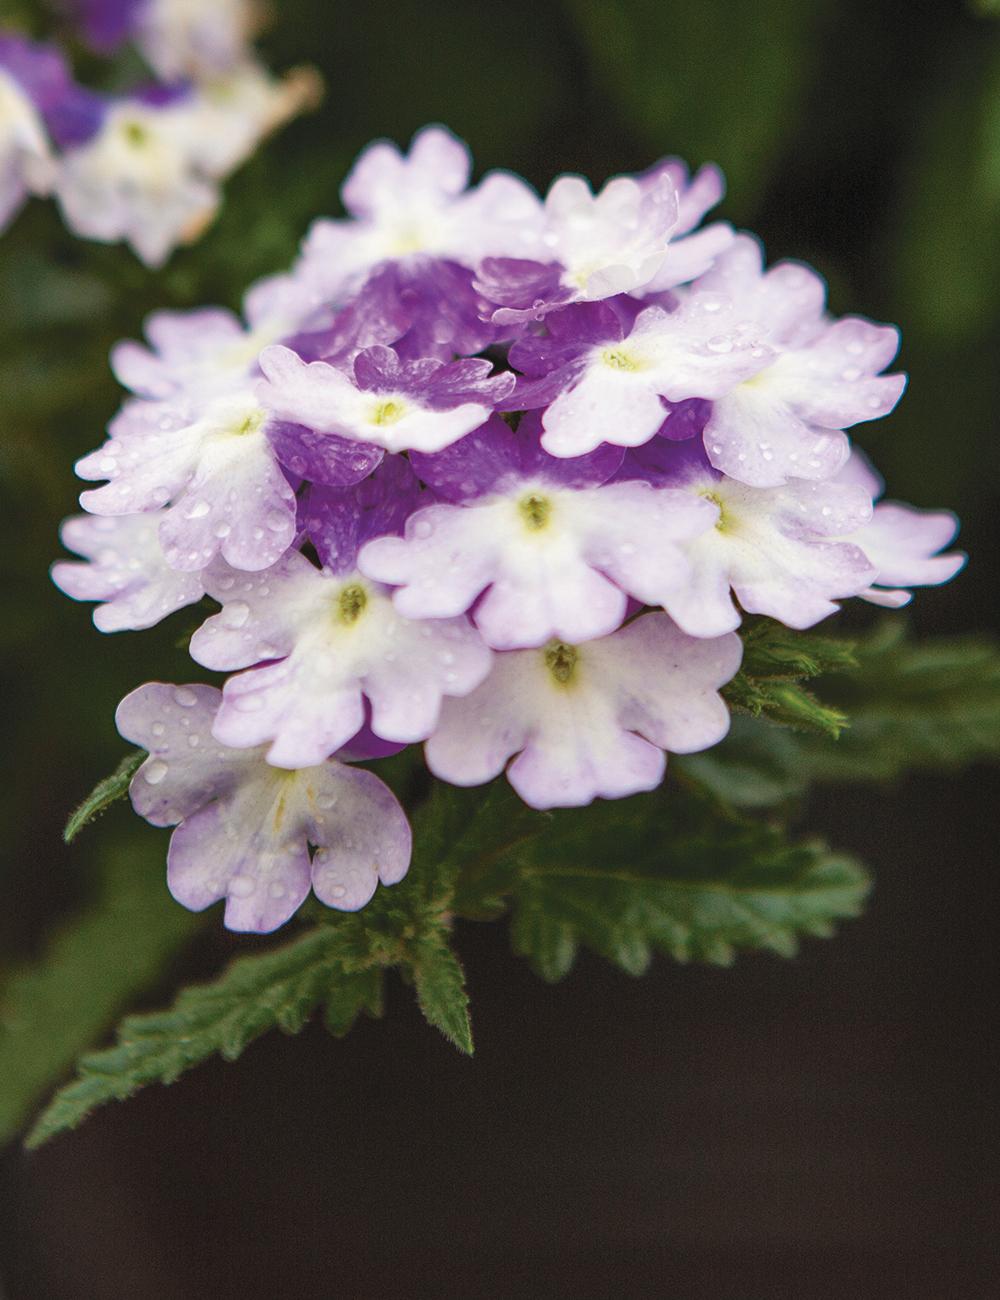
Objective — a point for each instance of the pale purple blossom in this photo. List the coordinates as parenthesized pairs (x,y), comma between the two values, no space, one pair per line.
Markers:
(243,827)
(901,541)
(393,403)
(689,254)
(235,497)
(601,384)
(32,78)
(781,550)
(418,204)
(126,570)
(787,420)
(336,638)
(150,175)
(556,553)
(588,720)
(619,241)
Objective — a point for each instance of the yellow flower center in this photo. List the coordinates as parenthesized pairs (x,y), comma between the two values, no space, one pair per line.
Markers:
(388,412)
(352,601)
(561,660)
(535,511)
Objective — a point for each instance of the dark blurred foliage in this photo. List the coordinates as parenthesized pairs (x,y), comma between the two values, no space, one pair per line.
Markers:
(862,136)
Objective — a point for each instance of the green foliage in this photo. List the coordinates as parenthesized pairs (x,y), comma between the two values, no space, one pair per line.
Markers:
(668,871)
(775,661)
(53,1009)
(912,704)
(105,793)
(339,964)
(711,80)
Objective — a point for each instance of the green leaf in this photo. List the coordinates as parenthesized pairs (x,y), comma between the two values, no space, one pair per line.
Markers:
(283,988)
(922,704)
(668,871)
(775,660)
(712,80)
(912,704)
(105,793)
(340,963)
(441,993)
(53,1009)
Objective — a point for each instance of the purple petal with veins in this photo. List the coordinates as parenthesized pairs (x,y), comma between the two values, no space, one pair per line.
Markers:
(322,457)
(340,520)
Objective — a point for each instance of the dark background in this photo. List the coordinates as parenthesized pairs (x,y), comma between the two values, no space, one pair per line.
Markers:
(810,1129)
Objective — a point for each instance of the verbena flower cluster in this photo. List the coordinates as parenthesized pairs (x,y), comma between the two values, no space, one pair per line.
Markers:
(144,166)
(480,471)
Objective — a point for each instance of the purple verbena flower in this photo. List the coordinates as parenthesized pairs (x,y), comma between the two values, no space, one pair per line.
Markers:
(336,638)
(786,421)
(127,570)
(901,541)
(556,550)
(243,827)
(781,550)
(390,402)
(235,497)
(601,384)
(588,720)
(402,206)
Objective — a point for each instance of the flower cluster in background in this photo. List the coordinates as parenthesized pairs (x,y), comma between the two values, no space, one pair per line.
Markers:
(479,471)
(143,166)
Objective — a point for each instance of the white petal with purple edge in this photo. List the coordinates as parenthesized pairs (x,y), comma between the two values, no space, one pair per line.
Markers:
(571,714)
(544,553)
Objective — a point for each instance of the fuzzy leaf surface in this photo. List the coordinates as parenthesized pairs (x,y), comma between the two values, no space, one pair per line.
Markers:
(668,871)
(105,793)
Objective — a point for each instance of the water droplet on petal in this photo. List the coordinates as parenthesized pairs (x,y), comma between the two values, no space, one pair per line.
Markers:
(275,520)
(197,511)
(235,614)
(155,772)
(241,886)
(157,728)
(222,530)
(185,698)
(720,344)
(423,528)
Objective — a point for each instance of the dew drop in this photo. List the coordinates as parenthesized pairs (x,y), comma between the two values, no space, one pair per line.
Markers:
(720,344)
(222,530)
(326,801)
(155,771)
(275,520)
(194,741)
(338,891)
(157,728)
(850,373)
(185,698)
(276,889)
(241,886)
(423,528)
(235,614)
(225,584)
(258,533)
(267,651)
(197,511)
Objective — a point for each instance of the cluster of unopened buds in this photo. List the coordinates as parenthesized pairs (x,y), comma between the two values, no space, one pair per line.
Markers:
(143,166)
(480,471)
